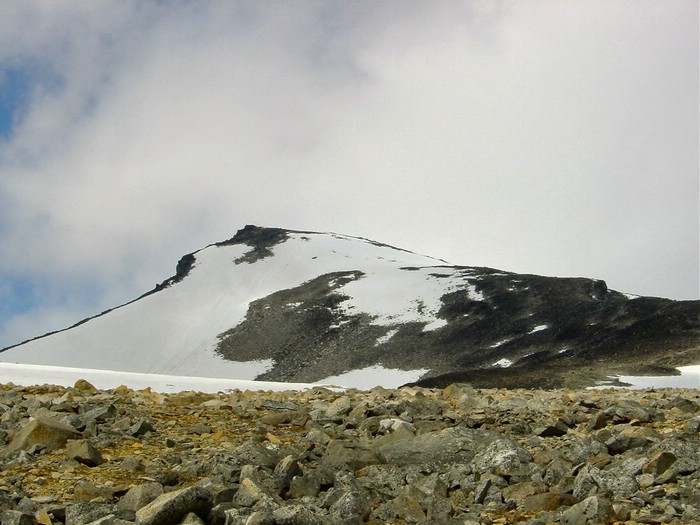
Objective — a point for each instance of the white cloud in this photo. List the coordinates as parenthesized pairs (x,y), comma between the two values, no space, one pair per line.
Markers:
(547,137)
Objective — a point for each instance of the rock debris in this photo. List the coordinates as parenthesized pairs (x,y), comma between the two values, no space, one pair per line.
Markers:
(412,455)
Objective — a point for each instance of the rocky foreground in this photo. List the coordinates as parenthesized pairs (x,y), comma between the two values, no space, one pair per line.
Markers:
(450,456)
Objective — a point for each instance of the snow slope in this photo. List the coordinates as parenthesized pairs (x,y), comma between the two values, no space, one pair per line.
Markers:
(175,330)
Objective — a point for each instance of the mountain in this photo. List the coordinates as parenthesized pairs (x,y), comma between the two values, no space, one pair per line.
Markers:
(282,305)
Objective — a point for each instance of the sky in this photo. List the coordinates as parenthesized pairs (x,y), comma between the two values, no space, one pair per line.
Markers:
(547,137)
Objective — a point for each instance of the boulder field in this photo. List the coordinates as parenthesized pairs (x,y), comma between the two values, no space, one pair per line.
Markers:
(456,455)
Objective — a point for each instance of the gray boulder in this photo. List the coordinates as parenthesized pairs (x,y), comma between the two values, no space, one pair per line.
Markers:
(83,451)
(341,454)
(14,517)
(589,511)
(171,507)
(139,496)
(503,457)
(84,513)
(45,431)
(450,445)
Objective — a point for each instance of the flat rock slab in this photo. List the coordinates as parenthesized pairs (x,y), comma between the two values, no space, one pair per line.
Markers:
(171,507)
(42,430)
(450,445)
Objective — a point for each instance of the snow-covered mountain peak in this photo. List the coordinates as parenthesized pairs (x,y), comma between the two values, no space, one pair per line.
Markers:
(284,305)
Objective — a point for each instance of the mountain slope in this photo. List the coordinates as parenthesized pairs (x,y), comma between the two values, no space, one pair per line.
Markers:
(283,305)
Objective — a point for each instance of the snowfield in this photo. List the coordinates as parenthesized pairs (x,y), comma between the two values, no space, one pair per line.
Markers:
(28,375)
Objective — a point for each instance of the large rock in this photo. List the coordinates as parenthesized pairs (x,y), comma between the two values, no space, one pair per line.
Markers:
(42,431)
(171,507)
(451,445)
(139,496)
(503,457)
(340,454)
(591,510)
(84,513)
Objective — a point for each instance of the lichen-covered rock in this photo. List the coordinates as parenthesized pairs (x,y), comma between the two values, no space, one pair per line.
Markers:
(169,508)
(14,517)
(450,445)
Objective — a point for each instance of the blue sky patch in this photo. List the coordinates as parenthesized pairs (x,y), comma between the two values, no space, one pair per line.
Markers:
(17,296)
(15,85)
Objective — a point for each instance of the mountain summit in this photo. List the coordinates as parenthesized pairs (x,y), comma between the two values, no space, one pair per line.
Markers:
(282,305)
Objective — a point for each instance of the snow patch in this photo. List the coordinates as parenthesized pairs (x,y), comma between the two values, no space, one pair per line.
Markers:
(434,325)
(503,363)
(474,295)
(538,328)
(368,378)
(386,337)
(501,342)
(689,378)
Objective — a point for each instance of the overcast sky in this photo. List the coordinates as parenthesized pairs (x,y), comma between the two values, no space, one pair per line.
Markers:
(549,137)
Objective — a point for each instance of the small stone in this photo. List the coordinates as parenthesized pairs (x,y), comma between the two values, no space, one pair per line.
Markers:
(260,518)
(351,503)
(629,438)
(591,510)
(85,491)
(295,515)
(547,501)
(597,422)
(248,494)
(304,486)
(100,414)
(140,428)
(84,513)
(192,519)
(131,464)
(198,429)
(339,407)
(693,425)
(43,518)
(659,463)
(555,429)
(13,517)
(83,451)
(286,470)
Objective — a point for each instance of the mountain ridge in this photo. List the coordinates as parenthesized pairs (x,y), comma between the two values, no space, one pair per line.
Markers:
(303,306)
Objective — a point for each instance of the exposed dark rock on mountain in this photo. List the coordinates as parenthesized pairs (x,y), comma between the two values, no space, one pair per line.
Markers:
(316,306)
